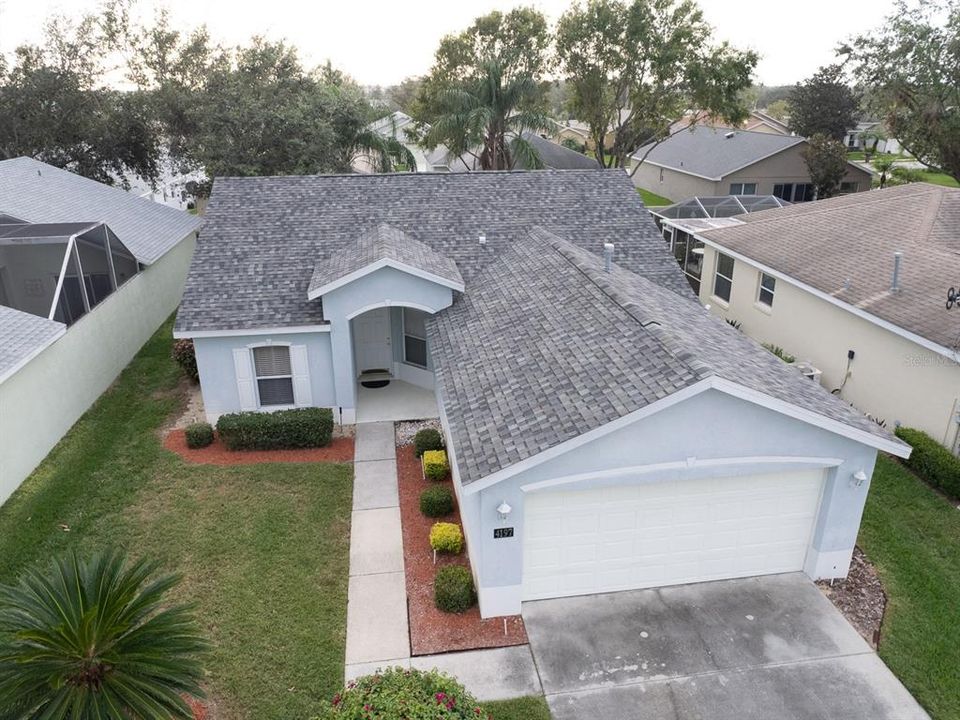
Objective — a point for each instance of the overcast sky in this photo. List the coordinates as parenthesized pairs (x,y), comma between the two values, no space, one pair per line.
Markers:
(380,42)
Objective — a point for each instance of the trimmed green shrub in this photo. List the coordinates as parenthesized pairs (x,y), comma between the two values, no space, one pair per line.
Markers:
(299,428)
(446,538)
(436,501)
(453,590)
(932,461)
(404,693)
(186,357)
(435,465)
(779,352)
(427,439)
(198,435)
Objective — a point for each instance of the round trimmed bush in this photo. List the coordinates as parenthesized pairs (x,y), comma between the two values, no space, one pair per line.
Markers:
(436,501)
(427,439)
(404,693)
(446,538)
(453,590)
(198,435)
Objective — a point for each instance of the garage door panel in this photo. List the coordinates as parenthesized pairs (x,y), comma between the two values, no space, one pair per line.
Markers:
(644,535)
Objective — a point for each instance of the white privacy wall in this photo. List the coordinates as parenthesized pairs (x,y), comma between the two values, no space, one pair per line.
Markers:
(41,401)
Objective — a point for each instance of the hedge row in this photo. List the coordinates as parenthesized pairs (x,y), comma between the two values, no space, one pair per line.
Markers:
(932,461)
(300,428)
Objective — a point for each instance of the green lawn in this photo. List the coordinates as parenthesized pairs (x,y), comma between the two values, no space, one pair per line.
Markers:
(939,179)
(263,549)
(912,535)
(652,199)
(528,708)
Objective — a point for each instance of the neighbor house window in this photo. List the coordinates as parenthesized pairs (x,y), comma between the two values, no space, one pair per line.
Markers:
(794,192)
(414,337)
(849,187)
(723,280)
(271,366)
(768,285)
(743,188)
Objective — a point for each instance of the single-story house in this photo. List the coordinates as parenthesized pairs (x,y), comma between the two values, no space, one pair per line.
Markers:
(872,135)
(854,287)
(605,432)
(579,132)
(87,273)
(710,161)
(553,156)
(756,121)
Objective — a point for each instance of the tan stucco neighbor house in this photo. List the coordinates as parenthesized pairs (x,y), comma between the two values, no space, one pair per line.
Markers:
(710,161)
(855,287)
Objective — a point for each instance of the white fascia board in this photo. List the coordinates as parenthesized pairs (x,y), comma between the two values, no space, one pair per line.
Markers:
(190,334)
(869,317)
(379,264)
(25,360)
(892,446)
(599,432)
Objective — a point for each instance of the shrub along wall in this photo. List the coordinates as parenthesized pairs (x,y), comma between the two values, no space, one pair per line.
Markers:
(284,429)
(932,461)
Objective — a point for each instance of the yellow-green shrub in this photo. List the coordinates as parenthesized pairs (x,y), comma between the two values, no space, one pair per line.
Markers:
(435,464)
(446,538)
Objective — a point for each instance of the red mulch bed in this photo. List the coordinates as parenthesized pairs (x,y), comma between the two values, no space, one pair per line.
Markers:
(340,450)
(431,630)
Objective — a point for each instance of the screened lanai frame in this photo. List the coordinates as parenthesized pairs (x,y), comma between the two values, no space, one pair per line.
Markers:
(719,206)
(92,265)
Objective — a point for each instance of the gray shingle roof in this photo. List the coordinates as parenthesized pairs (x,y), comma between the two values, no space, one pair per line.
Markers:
(249,270)
(853,237)
(706,151)
(383,242)
(36,192)
(548,346)
(22,335)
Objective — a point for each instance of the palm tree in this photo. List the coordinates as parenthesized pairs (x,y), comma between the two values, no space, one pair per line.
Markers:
(92,638)
(487,117)
(384,153)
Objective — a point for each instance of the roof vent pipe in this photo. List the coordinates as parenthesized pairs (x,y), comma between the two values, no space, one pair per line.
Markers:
(607,256)
(897,260)
(483,239)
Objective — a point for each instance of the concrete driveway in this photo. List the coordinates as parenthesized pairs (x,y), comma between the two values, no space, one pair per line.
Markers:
(770,647)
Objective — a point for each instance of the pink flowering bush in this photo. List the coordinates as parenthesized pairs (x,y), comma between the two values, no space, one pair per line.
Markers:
(402,694)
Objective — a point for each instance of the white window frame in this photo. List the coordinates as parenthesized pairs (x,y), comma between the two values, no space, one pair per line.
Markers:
(405,334)
(743,186)
(772,291)
(718,274)
(258,378)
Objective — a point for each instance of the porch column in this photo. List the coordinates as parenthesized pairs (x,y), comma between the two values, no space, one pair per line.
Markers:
(345,386)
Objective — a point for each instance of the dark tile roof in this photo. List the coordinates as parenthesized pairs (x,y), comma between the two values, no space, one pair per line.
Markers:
(249,269)
(384,242)
(844,247)
(36,192)
(548,346)
(710,153)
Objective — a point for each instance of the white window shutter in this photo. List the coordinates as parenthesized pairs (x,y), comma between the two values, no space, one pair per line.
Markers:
(302,394)
(244,372)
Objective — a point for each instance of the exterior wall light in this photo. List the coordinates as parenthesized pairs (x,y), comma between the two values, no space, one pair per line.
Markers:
(858,478)
(503,510)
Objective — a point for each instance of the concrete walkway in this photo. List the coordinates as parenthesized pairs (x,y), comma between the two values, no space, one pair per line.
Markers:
(377,632)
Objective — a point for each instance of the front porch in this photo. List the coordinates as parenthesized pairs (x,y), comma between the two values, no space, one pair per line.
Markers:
(398,400)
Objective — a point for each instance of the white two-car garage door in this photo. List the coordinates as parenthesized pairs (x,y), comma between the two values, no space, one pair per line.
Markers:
(577,542)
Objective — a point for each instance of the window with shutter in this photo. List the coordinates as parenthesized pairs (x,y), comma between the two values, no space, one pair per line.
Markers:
(274,375)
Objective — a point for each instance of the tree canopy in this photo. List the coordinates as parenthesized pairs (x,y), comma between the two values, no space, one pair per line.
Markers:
(826,160)
(910,66)
(824,104)
(636,66)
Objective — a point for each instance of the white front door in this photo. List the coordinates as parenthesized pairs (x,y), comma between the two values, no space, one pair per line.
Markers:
(371,341)
(625,537)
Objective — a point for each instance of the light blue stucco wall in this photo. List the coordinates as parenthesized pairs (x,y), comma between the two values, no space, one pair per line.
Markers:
(386,287)
(218,378)
(708,426)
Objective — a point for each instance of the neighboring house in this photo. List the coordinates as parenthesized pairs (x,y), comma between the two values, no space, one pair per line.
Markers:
(604,431)
(853,286)
(395,125)
(553,156)
(708,161)
(756,121)
(87,273)
(579,132)
(863,135)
